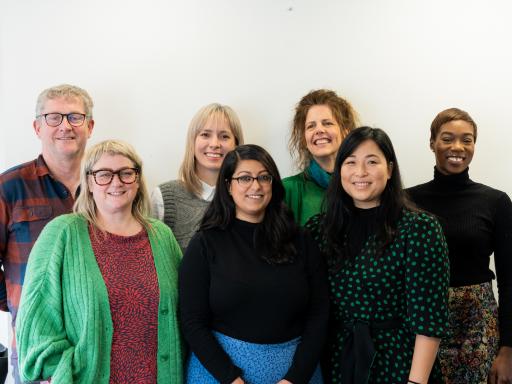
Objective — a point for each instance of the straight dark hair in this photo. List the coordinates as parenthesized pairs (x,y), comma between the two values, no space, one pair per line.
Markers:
(340,210)
(276,232)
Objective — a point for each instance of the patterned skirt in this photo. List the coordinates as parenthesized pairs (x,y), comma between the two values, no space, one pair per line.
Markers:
(467,356)
(260,363)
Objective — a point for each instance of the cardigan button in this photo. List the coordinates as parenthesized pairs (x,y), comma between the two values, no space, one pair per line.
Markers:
(164,357)
(164,311)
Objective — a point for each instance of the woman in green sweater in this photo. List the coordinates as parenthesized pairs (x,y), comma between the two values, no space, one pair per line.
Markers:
(322,120)
(100,293)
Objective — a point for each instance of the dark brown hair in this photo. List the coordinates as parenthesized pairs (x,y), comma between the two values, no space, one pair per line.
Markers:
(276,233)
(340,209)
(450,114)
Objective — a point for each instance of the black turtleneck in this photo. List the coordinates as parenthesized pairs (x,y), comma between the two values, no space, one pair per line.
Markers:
(226,286)
(363,226)
(477,221)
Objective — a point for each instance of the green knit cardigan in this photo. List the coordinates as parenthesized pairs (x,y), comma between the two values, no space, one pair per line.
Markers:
(64,327)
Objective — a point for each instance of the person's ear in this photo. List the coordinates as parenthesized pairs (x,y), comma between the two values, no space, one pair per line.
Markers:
(90,183)
(37,126)
(390,169)
(90,127)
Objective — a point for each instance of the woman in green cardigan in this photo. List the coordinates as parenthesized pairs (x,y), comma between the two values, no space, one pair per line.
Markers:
(100,293)
(322,120)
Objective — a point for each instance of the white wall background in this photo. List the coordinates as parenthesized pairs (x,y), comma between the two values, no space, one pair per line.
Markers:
(150,65)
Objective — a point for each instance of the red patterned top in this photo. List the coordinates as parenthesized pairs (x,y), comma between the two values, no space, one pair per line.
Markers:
(128,268)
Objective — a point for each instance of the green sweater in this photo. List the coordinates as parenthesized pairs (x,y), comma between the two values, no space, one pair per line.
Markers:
(64,327)
(303,196)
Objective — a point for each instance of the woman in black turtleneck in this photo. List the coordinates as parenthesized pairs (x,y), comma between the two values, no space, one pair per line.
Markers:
(477,221)
(252,285)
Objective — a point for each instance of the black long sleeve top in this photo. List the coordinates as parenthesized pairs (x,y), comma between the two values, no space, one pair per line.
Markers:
(477,221)
(225,286)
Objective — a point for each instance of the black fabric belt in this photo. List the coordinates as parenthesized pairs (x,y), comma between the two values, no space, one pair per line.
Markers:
(358,351)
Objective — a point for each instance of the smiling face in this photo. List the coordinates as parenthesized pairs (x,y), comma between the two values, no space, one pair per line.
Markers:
(454,147)
(117,197)
(64,141)
(323,135)
(212,143)
(250,200)
(364,175)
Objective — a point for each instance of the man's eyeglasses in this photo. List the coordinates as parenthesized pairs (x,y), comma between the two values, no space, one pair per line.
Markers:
(55,119)
(105,176)
(247,180)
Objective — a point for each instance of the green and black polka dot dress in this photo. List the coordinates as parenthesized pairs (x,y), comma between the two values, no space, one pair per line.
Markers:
(407,284)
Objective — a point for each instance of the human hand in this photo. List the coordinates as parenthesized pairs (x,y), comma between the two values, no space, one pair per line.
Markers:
(284,382)
(501,370)
(238,380)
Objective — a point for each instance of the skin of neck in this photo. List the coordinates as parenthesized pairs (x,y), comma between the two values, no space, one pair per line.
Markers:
(327,162)
(208,176)
(121,223)
(250,219)
(66,170)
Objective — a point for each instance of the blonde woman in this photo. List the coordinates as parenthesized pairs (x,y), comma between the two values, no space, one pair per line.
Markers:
(321,122)
(214,131)
(100,295)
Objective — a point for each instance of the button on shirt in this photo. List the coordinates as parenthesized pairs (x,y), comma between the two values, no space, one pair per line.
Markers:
(29,198)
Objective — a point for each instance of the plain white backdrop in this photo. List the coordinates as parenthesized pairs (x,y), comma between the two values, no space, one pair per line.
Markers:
(150,65)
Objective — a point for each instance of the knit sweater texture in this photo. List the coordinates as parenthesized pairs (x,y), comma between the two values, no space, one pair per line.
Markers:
(64,325)
(227,287)
(477,222)
(183,211)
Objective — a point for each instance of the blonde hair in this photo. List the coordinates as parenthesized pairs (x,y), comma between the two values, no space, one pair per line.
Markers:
(85,205)
(65,91)
(342,111)
(218,112)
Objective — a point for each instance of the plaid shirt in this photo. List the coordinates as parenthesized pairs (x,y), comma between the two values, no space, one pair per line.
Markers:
(29,198)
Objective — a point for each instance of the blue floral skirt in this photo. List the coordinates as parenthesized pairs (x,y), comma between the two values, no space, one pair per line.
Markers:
(260,363)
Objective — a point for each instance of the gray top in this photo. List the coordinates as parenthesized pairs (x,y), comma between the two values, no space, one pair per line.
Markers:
(182,210)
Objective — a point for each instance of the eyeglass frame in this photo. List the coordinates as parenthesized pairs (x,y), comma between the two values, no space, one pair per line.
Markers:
(118,173)
(85,116)
(257,178)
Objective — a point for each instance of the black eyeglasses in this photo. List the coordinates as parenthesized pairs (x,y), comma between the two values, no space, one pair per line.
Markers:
(105,176)
(54,119)
(247,180)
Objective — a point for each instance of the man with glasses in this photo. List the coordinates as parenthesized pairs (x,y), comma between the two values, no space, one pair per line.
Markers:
(33,193)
